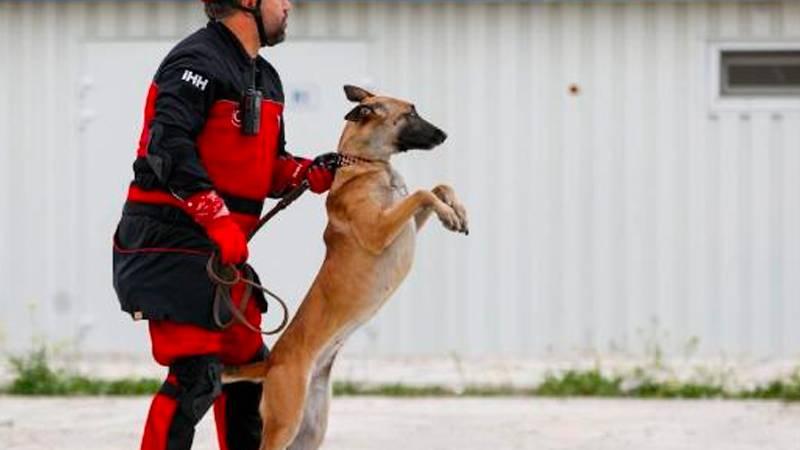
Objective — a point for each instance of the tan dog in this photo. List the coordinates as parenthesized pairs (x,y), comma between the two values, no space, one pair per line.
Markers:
(370,248)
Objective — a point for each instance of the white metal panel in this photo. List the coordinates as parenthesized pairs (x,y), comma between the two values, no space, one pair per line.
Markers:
(788,264)
(46,206)
(26,250)
(69,318)
(600,221)
(12,313)
(634,265)
(701,228)
(604,258)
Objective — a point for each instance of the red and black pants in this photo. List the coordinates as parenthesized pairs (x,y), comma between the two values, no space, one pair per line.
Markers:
(195,357)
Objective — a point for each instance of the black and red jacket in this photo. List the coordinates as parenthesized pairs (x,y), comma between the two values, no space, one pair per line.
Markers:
(192,142)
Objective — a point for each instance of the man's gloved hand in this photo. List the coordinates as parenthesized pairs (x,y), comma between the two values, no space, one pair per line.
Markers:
(320,173)
(209,210)
(230,240)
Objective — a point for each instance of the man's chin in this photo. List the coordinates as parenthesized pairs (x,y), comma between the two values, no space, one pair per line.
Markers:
(276,39)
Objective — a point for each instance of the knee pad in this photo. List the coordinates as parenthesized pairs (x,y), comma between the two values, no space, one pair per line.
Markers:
(199,384)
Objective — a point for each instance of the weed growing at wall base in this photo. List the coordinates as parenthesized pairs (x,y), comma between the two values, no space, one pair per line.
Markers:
(33,375)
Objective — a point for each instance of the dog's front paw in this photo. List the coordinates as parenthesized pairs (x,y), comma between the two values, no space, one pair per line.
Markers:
(449,217)
(447,195)
(461,212)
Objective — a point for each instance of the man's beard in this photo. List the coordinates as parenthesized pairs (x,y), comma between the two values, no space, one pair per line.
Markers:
(276,38)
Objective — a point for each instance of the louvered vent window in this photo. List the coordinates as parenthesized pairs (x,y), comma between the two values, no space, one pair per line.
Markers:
(760,73)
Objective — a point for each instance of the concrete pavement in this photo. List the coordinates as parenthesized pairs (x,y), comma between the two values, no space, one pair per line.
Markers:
(446,424)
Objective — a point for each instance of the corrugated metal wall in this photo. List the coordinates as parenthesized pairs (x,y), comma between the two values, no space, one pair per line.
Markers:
(628,214)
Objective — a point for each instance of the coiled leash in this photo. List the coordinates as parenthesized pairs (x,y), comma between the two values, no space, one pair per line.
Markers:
(225,277)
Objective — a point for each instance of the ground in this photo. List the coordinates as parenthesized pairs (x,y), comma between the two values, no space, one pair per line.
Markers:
(441,424)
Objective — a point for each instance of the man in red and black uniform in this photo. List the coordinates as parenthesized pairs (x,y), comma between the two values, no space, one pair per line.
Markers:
(206,161)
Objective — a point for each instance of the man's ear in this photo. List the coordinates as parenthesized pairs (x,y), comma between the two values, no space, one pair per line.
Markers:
(357,94)
(359,113)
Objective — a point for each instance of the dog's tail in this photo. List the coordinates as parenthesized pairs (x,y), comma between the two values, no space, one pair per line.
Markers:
(256,372)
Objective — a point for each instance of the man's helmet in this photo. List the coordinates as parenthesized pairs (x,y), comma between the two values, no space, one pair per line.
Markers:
(256,12)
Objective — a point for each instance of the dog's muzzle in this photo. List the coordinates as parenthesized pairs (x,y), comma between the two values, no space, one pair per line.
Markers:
(420,135)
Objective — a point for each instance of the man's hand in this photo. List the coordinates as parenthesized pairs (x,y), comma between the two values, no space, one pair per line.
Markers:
(209,210)
(321,172)
(230,240)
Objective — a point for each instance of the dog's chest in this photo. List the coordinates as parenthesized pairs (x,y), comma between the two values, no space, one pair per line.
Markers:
(397,185)
(398,257)
(404,244)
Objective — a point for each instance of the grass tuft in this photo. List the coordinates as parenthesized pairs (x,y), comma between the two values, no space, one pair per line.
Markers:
(788,390)
(588,383)
(34,376)
(347,388)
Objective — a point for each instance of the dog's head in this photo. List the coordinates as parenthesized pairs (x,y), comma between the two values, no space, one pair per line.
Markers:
(380,126)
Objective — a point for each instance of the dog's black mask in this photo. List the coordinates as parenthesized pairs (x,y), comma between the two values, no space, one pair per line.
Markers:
(419,134)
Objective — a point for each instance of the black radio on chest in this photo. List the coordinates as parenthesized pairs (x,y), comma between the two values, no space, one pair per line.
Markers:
(250,107)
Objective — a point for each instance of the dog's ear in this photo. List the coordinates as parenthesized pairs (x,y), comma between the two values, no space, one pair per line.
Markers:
(357,94)
(359,113)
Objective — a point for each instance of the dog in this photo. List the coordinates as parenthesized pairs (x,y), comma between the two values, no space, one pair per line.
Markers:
(369,251)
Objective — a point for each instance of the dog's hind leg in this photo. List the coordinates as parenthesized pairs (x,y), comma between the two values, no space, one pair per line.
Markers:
(282,403)
(315,416)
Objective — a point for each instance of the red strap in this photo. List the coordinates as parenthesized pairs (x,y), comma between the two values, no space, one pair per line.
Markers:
(203,207)
(137,194)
